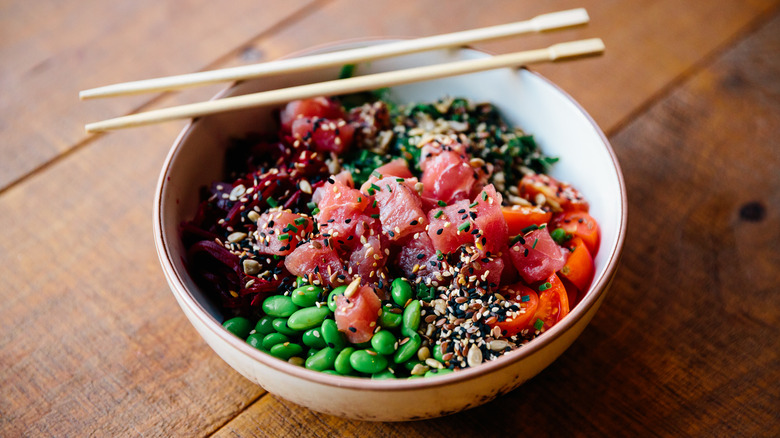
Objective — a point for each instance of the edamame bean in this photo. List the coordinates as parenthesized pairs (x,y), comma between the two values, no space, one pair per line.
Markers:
(382,375)
(265,325)
(312,352)
(322,360)
(335,373)
(384,342)
(437,372)
(313,338)
(256,340)
(300,281)
(305,296)
(332,297)
(272,339)
(401,291)
(308,318)
(279,306)
(342,364)
(280,325)
(437,354)
(286,350)
(367,361)
(239,326)
(409,349)
(333,337)
(411,318)
(389,319)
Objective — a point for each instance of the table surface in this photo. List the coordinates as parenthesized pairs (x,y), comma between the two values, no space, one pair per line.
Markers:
(92,341)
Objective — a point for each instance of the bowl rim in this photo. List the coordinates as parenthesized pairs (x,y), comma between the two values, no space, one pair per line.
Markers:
(185,298)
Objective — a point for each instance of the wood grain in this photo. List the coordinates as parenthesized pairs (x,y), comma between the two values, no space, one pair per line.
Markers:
(687,344)
(81,44)
(92,342)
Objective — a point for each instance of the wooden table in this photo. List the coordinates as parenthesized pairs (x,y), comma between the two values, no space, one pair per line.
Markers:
(93,343)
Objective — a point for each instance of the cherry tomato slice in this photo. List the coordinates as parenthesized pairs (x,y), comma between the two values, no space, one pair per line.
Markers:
(579,224)
(518,218)
(553,302)
(579,267)
(527,300)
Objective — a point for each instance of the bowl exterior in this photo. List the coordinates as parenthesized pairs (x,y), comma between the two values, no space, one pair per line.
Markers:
(561,127)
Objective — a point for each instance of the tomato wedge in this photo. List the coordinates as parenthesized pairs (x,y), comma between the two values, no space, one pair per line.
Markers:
(527,300)
(553,302)
(557,193)
(579,224)
(518,218)
(579,267)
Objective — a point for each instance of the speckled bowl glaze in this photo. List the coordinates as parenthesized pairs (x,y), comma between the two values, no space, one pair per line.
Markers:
(561,127)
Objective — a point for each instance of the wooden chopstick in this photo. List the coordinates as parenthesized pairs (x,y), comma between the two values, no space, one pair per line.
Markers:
(545,22)
(351,85)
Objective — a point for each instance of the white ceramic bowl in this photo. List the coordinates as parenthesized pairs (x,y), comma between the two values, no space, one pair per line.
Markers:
(561,127)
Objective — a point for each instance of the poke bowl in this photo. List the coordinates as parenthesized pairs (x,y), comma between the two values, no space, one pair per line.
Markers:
(508,355)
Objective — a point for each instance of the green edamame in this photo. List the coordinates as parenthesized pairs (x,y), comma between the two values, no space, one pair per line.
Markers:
(305,296)
(409,349)
(308,318)
(313,338)
(333,337)
(437,372)
(367,361)
(400,291)
(285,350)
(256,340)
(411,318)
(322,360)
(239,326)
(280,325)
(265,325)
(342,364)
(279,306)
(382,375)
(389,319)
(332,297)
(384,342)
(272,339)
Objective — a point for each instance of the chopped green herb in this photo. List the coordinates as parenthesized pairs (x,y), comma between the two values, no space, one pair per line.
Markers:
(311,205)
(290,227)
(538,324)
(484,196)
(464,226)
(529,228)
(284,236)
(473,204)
(438,214)
(315,211)
(301,221)
(441,203)
(525,298)
(375,216)
(347,70)
(439,255)
(560,236)
(399,180)
(271,201)
(535,242)
(545,286)
(376,175)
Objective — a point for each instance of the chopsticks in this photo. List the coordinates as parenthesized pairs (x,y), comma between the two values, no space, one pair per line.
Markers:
(540,23)
(544,22)
(355,84)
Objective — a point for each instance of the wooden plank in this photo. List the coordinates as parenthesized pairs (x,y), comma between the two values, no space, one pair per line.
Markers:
(687,343)
(649,43)
(49,57)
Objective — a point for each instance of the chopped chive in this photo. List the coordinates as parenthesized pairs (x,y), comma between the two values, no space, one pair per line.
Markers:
(271,201)
(484,196)
(438,214)
(311,205)
(525,298)
(439,255)
(388,188)
(376,187)
(399,179)
(301,221)
(284,236)
(374,204)
(376,175)
(375,216)
(360,199)
(518,238)
(538,324)
(290,227)
(545,286)
(529,228)
(535,242)
(315,211)
(441,203)
(371,192)
(464,226)
(473,204)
